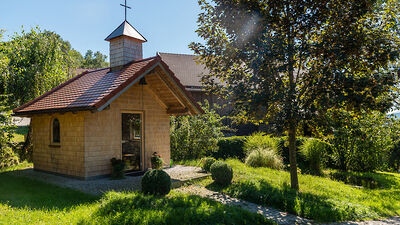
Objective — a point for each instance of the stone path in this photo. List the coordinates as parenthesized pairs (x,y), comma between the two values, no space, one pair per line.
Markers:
(271,213)
(179,176)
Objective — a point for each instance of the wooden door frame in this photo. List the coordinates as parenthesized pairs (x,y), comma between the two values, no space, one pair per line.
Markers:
(142,153)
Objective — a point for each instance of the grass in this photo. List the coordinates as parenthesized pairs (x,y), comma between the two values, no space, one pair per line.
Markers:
(319,198)
(19,134)
(26,201)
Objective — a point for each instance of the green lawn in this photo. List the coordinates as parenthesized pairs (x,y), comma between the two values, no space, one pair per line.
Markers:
(321,199)
(26,201)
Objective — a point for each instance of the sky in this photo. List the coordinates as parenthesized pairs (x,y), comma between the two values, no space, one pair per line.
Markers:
(168,25)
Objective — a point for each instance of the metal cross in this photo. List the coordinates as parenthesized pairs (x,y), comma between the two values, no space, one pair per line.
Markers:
(126,7)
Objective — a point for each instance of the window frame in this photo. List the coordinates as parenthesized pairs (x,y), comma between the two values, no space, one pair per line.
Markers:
(52,142)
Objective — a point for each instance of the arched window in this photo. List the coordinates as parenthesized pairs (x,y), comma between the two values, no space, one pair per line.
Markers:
(55,131)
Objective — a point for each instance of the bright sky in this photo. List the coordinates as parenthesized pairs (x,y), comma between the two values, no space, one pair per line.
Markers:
(168,25)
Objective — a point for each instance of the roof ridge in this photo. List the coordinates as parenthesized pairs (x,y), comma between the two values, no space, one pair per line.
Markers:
(176,54)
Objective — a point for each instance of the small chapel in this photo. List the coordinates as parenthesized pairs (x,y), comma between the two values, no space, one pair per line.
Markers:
(118,112)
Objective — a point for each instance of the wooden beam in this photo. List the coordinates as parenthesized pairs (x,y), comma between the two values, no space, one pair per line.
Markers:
(177,111)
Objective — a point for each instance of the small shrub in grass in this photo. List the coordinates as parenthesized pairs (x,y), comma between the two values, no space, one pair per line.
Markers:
(156,182)
(259,141)
(264,158)
(206,163)
(314,152)
(221,173)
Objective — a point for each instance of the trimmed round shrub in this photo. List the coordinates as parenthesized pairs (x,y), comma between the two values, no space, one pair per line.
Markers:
(221,173)
(265,158)
(156,182)
(206,163)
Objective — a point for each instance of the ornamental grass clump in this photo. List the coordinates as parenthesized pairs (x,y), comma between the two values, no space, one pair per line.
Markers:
(156,182)
(314,152)
(206,163)
(265,158)
(259,140)
(221,173)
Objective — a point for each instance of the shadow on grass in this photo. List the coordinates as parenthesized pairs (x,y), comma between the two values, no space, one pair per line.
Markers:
(136,208)
(21,192)
(368,180)
(286,199)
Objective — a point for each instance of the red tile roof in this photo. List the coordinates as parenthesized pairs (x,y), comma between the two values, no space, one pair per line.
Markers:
(91,90)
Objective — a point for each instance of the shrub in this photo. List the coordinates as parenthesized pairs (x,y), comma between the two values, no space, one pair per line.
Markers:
(230,147)
(314,152)
(156,161)
(221,173)
(193,137)
(7,157)
(264,158)
(156,182)
(259,141)
(283,150)
(118,168)
(206,163)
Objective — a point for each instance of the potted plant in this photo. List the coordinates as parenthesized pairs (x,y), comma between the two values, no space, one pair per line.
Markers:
(118,168)
(156,161)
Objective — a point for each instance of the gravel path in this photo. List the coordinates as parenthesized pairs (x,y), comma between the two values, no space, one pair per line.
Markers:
(271,213)
(179,175)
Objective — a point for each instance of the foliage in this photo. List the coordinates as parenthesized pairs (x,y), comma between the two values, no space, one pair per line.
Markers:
(118,168)
(136,208)
(37,62)
(315,152)
(264,157)
(363,142)
(206,163)
(221,173)
(394,159)
(230,147)
(288,62)
(7,156)
(156,182)
(258,141)
(94,60)
(319,198)
(156,161)
(193,137)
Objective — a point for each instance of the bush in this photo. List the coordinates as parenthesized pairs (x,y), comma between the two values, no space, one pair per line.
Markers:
(118,168)
(156,161)
(230,147)
(7,157)
(193,137)
(314,151)
(221,173)
(156,182)
(264,158)
(283,150)
(206,163)
(259,141)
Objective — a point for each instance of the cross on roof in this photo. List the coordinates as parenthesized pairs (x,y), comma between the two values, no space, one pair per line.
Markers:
(126,7)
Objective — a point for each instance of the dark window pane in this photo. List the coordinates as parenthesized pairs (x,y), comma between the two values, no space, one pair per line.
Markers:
(56,131)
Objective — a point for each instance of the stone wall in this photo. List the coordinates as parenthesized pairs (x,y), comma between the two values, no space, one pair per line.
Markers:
(66,158)
(103,131)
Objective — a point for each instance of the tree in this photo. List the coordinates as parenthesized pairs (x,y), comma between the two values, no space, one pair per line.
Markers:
(94,61)
(36,62)
(287,62)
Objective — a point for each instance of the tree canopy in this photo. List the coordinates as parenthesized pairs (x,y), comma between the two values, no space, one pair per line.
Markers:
(287,62)
(94,60)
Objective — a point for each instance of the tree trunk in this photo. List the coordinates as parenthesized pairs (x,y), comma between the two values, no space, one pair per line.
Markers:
(292,157)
